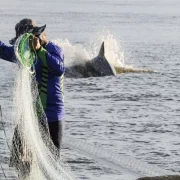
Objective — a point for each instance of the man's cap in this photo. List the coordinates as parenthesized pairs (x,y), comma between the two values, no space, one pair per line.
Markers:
(27,26)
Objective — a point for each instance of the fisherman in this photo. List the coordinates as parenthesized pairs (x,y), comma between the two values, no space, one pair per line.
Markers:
(49,72)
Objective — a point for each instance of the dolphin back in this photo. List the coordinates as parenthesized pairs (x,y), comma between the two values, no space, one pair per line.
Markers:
(98,66)
(101,65)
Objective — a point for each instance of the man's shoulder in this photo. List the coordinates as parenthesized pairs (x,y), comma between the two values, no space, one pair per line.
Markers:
(52,47)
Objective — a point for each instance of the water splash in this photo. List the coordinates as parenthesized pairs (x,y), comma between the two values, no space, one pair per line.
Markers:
(114,52)
(74,53)
(78,54)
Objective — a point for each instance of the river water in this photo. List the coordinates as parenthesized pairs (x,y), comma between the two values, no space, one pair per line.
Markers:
(132,114)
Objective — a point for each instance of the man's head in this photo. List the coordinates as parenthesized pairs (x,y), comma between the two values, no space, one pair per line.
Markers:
(27,26)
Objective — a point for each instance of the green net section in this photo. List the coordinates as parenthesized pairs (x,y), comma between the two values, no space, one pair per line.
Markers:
(24,51)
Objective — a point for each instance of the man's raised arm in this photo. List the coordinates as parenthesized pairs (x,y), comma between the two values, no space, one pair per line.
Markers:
(7,52)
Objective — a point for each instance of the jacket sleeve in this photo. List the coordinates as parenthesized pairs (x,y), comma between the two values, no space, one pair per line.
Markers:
(52,58)
(7,52)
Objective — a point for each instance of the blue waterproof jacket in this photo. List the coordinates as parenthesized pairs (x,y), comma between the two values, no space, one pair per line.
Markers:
(49,75)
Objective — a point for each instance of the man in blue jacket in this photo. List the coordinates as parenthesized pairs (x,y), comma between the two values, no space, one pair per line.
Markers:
(49,74)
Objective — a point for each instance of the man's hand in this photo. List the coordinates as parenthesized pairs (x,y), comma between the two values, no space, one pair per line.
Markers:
(34,43)
(43,39)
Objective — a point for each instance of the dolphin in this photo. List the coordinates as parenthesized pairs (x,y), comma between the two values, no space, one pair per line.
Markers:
(96,67)
(99,66)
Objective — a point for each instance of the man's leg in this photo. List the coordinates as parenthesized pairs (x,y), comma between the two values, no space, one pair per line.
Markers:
(56,132)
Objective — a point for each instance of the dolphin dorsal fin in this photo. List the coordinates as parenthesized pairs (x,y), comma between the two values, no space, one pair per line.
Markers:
(101,52)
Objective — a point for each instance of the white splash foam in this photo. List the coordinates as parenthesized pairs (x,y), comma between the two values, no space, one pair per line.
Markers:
(79,53)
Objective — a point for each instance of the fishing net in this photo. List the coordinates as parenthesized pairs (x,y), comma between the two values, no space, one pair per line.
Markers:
(24,51)
(33,153)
